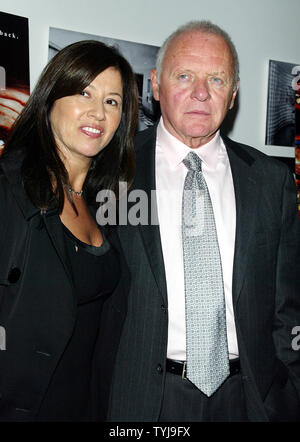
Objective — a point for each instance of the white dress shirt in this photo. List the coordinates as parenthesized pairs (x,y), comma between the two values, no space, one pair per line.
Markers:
(170,176)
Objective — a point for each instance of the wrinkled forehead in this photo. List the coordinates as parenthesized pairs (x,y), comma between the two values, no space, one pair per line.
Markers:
(196,45)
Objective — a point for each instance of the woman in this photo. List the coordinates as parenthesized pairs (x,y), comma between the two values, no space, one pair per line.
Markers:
(62,281)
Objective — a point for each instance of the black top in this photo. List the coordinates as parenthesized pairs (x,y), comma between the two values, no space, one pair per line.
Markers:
(96,272)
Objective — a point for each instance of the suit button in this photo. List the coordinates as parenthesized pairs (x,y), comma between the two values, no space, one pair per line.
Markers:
(164,308)
(159,368)
(14,275)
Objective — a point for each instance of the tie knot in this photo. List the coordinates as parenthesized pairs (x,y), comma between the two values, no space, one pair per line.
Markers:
(192,162)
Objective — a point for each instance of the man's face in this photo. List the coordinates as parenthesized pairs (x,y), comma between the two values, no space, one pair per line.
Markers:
(196,87)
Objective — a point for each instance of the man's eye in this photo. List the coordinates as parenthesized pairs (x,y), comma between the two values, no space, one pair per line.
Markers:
(84,94)
(183,76)
(217,81)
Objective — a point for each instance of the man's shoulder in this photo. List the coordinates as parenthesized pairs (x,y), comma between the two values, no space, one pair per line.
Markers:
(244,148)
(252,154)
(145,136)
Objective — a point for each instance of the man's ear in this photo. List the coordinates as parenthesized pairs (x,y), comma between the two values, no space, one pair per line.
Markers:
(155,85)
(234,94)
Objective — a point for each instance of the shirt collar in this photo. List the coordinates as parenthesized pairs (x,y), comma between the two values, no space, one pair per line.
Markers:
(175,151)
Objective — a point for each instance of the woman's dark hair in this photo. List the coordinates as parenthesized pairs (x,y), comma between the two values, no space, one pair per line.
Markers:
(69,72)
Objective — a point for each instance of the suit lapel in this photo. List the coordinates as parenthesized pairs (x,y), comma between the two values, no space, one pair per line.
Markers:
(246,196)
(55,231)
(145,180)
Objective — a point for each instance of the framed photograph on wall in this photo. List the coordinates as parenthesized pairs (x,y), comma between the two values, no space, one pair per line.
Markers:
(14,70)
(280,125)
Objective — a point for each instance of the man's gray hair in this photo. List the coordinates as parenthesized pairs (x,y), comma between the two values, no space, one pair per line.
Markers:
(201,26)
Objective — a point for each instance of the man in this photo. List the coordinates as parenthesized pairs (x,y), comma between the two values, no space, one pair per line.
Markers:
(246,367)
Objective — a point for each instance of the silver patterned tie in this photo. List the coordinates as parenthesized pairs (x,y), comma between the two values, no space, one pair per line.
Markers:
(207,350)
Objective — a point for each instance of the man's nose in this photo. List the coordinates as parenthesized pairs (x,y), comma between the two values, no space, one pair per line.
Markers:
(97,110)
(200,90)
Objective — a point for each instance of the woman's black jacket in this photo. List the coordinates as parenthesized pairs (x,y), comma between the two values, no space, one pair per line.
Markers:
(37,306)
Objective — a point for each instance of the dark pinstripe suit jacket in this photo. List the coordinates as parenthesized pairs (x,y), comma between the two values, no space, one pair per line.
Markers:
(266,293)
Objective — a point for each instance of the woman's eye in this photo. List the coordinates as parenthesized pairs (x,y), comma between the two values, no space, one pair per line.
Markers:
(112,102)
(84,94)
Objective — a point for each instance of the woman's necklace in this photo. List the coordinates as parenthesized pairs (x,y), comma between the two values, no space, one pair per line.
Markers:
(70,190)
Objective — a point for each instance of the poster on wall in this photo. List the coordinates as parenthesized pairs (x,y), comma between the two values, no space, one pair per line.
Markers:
(141,57)
(280,126)
(283,112)
(14,70)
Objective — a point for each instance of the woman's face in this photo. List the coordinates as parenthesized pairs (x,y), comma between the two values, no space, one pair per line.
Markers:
(83,124)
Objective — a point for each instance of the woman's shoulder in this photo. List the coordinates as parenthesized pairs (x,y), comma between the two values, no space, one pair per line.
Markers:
(13,198)
(8,202)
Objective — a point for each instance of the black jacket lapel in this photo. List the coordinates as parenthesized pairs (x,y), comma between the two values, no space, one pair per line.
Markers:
(55,231)
(145,180)
(245,188)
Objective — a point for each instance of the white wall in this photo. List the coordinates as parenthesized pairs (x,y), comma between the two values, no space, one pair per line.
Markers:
(261,30)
